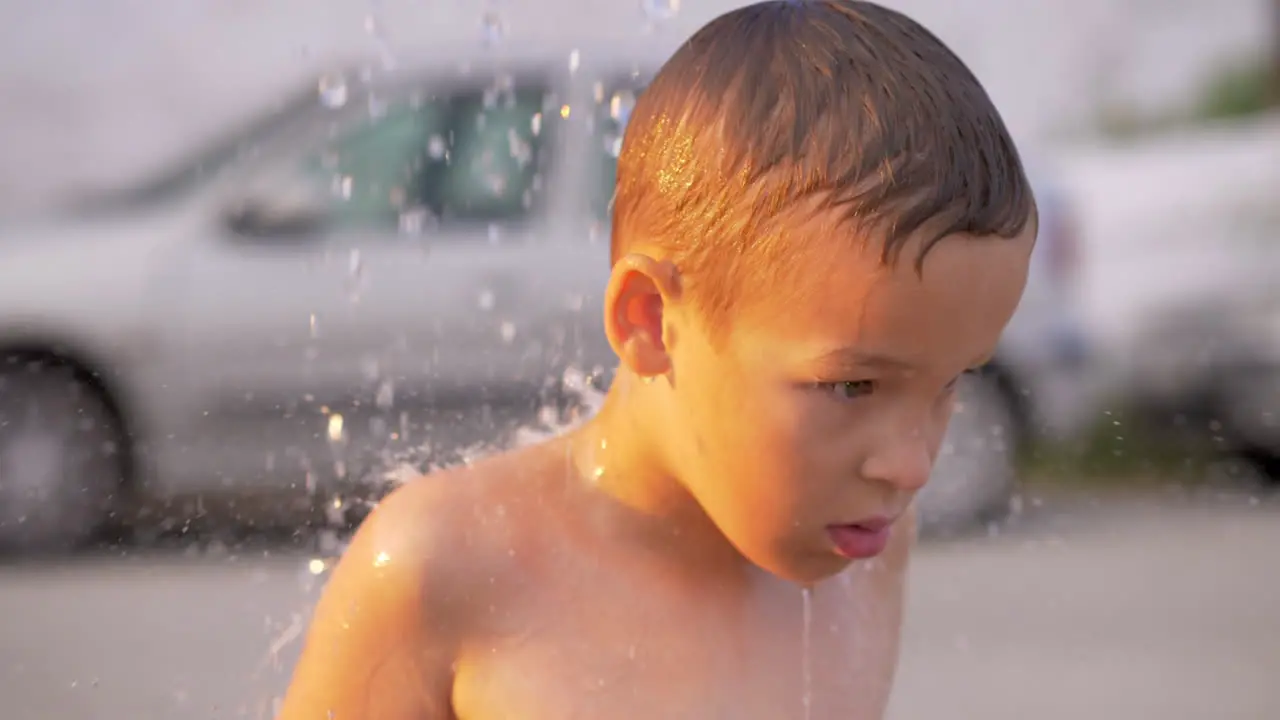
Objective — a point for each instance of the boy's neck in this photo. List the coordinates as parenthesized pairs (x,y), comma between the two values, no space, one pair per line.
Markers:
(622,457)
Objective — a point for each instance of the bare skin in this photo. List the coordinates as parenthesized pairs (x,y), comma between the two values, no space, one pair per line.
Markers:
(649,564)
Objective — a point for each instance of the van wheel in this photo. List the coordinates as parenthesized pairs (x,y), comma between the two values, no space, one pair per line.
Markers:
(975,475)
(61,462)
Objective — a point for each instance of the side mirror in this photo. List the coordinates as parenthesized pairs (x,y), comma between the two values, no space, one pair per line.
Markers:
(278,216)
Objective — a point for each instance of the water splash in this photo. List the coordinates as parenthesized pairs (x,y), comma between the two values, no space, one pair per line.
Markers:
(407,465)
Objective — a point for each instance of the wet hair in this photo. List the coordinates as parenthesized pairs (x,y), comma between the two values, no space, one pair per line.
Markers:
(777,111)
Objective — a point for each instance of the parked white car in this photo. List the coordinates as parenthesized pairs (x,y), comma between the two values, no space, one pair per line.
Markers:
(370,267)
(1212,366)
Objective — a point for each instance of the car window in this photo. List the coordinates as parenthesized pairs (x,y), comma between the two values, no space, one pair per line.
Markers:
(470,156)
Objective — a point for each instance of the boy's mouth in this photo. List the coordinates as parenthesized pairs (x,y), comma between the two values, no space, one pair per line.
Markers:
(863,539)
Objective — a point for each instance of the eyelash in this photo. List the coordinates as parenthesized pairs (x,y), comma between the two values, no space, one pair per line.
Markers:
(869,386)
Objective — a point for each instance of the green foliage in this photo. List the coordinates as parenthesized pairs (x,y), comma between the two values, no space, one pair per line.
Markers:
(1125,447)
(1239,90)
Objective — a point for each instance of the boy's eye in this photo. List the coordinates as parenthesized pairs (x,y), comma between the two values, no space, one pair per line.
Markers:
(850,389)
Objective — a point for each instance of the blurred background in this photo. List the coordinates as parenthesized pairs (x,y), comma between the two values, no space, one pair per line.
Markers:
(262,260)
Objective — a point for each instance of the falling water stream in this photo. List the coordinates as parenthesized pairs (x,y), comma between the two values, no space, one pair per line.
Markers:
(806,662)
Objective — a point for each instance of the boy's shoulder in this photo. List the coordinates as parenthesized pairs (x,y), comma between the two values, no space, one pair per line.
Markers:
(413,587)
(454,529)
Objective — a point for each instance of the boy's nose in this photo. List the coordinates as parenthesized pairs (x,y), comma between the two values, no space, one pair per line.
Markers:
(905,464)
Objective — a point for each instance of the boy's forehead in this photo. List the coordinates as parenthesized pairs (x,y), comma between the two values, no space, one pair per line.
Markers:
(840,287)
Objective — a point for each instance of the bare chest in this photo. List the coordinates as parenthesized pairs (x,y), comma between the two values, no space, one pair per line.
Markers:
(660,656)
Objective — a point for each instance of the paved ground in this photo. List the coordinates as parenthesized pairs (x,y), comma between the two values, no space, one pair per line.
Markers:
(1138,610)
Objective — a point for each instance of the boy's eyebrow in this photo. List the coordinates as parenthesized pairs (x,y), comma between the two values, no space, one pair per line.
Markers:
(847,357)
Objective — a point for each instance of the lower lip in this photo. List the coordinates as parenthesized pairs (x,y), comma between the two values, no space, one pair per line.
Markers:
(857,543)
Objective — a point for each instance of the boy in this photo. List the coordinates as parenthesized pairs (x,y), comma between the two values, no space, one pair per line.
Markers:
(820,224)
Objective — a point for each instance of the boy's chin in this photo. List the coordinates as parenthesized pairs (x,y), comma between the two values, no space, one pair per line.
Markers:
(803,570)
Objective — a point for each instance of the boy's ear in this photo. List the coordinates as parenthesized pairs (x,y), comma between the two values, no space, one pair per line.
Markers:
(640,293)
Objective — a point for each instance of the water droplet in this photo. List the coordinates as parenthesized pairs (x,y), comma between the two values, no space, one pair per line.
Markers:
(378,33)
(613,145)
(342,186)
(414,221)
(495,233)
(315,329)
(660,10)
(508,331)
(536,124)
(497,183)
(436,147)
(575,59)
(487,299)
(386,395)
(621,105)
(336,432)
(370,367)
(333,91)
(491,28)
(355,275)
